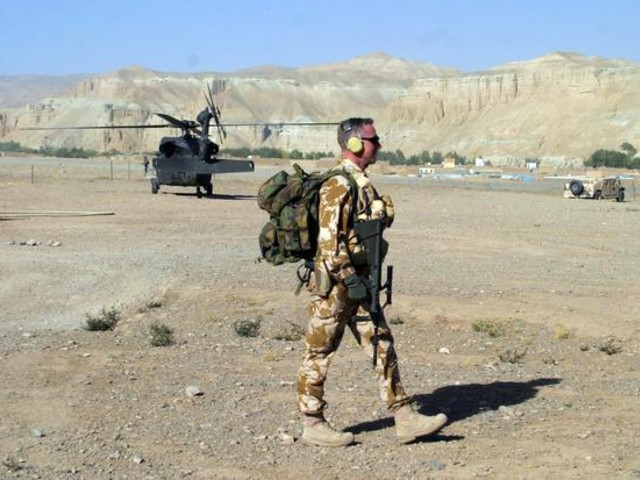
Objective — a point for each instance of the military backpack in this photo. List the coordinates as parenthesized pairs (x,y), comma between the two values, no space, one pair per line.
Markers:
(292,199)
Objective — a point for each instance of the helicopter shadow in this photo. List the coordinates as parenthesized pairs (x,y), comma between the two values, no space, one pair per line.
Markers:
(218,196)
(463,401)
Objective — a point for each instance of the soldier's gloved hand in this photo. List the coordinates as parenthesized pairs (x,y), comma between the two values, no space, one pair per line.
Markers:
(357,288)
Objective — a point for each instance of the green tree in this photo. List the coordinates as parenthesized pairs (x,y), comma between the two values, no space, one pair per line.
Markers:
(607,158)
(629,149)
(296,154)
(15,147)
(634,164)
(390,157)
(414,160)
(425,157)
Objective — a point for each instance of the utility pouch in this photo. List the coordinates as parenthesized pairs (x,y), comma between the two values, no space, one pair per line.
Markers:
(322,282)
(359,259)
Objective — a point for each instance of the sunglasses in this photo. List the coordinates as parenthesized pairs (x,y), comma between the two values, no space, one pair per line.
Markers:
(375,139)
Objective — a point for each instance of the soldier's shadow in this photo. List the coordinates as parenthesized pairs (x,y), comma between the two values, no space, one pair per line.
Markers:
(463,401)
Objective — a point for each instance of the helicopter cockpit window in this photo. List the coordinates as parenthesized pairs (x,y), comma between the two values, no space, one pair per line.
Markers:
(167,148)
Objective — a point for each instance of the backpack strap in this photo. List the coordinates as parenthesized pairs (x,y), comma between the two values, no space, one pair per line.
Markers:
(353,186)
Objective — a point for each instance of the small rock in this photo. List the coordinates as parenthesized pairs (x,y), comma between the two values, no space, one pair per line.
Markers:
(444,350)
(193,391)
(137,459)
(287,439)
(506,410)
(36,432)
(435,465)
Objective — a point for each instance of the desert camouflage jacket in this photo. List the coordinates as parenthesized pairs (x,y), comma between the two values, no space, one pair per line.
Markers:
(338,244)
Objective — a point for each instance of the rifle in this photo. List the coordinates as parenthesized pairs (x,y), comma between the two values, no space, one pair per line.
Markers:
(370,234)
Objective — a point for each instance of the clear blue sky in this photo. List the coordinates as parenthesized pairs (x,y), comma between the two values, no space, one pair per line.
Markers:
(58,37)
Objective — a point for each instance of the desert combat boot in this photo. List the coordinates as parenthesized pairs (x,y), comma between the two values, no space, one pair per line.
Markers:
(317,431)
(411,425)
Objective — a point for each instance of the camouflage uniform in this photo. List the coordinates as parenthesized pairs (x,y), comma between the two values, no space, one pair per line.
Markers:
(331,309)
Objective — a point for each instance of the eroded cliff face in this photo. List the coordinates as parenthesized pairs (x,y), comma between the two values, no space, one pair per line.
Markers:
(560,111)
(562,105)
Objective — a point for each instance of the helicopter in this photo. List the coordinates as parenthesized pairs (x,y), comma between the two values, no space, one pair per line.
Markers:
(189,160)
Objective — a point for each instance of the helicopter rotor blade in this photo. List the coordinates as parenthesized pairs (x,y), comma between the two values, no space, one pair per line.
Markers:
(281,124)
(99,127)
(215,113)
(184,125)
(174,121)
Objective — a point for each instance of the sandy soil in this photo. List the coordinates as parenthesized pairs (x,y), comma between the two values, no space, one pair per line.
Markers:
(515,312)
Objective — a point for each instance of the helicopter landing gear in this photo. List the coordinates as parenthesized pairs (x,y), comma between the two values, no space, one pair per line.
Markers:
(203,181)
(208,187)
(155,186)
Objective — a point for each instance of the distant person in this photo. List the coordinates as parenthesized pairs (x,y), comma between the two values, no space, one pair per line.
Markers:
(339,293)
(146,164)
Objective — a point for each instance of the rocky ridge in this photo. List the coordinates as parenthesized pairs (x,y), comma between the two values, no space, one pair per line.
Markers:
(562,105)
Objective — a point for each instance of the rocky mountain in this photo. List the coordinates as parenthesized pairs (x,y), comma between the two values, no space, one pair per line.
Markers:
(559,106)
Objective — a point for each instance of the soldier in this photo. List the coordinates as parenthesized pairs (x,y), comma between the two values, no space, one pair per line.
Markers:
(339,293)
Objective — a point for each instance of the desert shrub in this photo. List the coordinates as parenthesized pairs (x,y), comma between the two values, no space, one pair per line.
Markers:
(491,328)
(270,356)
(396,320)
(292,334)
(512,355)
(150,305)
(105,320)
(562,332)
(610,345)
(161,335)
(247,327)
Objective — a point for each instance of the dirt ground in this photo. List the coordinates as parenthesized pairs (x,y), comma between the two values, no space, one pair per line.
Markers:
(515,312)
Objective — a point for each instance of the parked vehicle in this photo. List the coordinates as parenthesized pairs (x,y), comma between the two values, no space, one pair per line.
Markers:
(596,188)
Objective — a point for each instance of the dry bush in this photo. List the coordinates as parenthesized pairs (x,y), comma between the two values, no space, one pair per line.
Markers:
(161,335)
(247,327)
(490,327)
(294,333)
(610,345)
(105,320)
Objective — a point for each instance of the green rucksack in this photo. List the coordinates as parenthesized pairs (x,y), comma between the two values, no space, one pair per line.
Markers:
(291,234)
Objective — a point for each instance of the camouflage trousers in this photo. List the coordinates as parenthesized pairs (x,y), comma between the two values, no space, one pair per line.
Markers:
(329,317)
